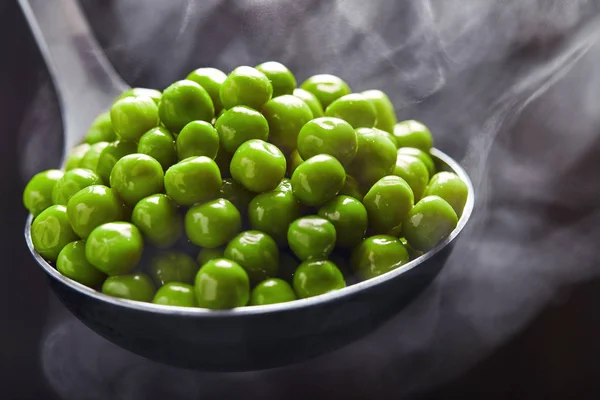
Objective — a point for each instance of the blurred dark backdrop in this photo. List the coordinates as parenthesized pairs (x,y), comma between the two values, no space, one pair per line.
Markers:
(512,90)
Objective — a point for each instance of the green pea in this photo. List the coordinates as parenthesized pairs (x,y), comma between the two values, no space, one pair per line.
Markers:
(414,172)
(293,161)
(421,155)
(133,116)
(387,203)
(213,223)
(352,188)
(223,160)
(210,79)
(286,115)
(193,180)
(91,157)
(236,194)
(75,156)
(246,86)
(282,79)
(205,255)
(159,144)
(285,185)
(377,255)
(412,252)
(172,266)
(114,248)
(375,158)
(91,207)
(222,284)
(328,135)
(72,182)
(256,252)
(71,262)
(311,237)
(355,109)
(136,176)
(110,155)
(413,134)
(176,294)
(318,180)
(316,277)
(258,166)
(272,291)
(449,187)
(137,287)
(287,266)
(37,195)
(349,217)
(51,231)
(327,88)
(311,101)
(239,124)
(159,220)
(198,138)
(154,94)
(429,222)
(272,213)
(183,102)
(101,130)
(386,115)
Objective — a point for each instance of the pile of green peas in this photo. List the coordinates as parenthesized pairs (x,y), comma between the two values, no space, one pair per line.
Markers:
(224,191)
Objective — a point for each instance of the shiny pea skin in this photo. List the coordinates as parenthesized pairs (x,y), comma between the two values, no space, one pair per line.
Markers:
(258,166)
(183,102)
(246,86)
(386,115)
(272,291)
(138,287)
(210,79)
(421,155)
(197,138)
(172,266)
(136,176)
(101,130)
(75,156)
(375,158)
(205,255)
(212,224)
(110,155)
(355,109)
(388,203)
(449,187)
(311,101)
(349,217)
(286,115)
(236,194)
(429,222)
(72,182)
(318,180)
(159,144)
(91,157)
(256,252)
(293,161)
(328,135)
(133,116)
(316,277)
(239,124)
(193,180)
(114,248)
(282,79)
(37,195)
(311,237)
(222,284)
(272,213)
(377,255)
(352,188)
(159,220)
(175,294)
(414,172)
(93,206)
(413,133)
(51,231)
(154,94)
(72,263)
(327,88)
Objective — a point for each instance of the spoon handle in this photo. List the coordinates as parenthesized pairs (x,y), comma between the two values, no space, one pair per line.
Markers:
(85,81)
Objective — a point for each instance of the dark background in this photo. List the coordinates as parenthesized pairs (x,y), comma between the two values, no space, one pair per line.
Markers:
(512,90)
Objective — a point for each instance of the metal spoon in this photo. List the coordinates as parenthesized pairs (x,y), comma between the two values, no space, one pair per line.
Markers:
(247,338)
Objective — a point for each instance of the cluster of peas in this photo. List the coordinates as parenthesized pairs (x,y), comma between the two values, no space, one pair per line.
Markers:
(273,186)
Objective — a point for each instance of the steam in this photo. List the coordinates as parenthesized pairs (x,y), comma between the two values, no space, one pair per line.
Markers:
(508,87)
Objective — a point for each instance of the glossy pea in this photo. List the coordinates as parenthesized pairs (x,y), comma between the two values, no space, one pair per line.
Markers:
(316,277)
(91,207)
(256,252)
(386,115)
(413,133)
(210,79)
(311,237)
(37,195)
(272,212)
(388,203)
(101,130)
(154,94)
(377,255)
(183,102)
(429,222)
(238,195)
(285,185)
(71,262)
(212,224)
(449,187)
(222,284)
(421,155)
(110,155)
(272,291)
(311,101)
(286,115)
(318,180)
(352,188)
(51,231)
(159,220)
(193,180)
(258,166)
(349,217)
(328,135)
(412,252)
(175,294)
(91,157)
(293,161)
(355,109)
(414,172)
(114,248)
(138,287)
(72,182)
(375,158)
(75,155)
(133,116)
(197,138)
(205,255)
(327,88)
(136,176)
(159,144)
(246,86)
(282,79)
(172,266)
(239,124)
